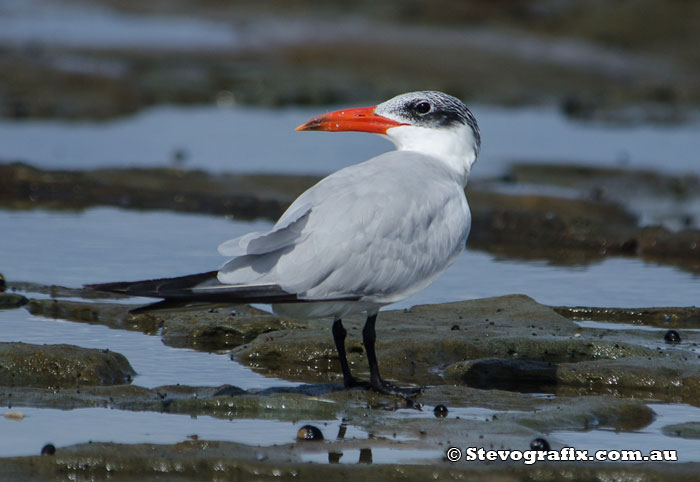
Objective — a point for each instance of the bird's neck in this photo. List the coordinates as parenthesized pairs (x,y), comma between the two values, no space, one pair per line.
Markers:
(455,147)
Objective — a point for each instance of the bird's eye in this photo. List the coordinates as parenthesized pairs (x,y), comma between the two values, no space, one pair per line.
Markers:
(422,107)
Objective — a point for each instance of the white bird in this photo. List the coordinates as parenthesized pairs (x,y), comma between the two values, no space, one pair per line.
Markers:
(364,237)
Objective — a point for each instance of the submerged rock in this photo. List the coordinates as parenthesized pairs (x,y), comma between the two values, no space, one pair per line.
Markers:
(219,330)
(689,430)
(108,314)
(667,317)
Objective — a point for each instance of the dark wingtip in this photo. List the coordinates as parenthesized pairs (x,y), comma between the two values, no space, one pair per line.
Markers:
(118,287)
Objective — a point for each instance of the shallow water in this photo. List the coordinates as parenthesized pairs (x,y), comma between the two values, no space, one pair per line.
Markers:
(247,139)
(67,24)
(604,325)
(103,244)
(109,244)
(155,364)
(42,426)
(649,438)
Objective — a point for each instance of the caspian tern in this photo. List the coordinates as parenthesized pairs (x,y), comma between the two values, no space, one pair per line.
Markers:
(366,236)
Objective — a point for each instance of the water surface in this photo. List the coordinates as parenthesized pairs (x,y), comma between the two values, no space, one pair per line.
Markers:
(109,244)
(82,425)
(104,244)
(251,139)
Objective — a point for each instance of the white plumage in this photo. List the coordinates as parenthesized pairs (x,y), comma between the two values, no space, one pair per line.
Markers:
(380,230)
(364,237)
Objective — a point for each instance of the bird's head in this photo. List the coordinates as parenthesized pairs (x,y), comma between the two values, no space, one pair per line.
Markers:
(429,122)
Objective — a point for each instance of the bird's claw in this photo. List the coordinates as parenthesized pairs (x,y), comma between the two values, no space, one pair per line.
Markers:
(385,388)
(355,383)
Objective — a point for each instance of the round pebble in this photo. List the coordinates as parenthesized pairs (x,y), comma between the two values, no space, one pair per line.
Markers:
(539,444)
(48,449)
(672,336)
(440,411)
(309,432)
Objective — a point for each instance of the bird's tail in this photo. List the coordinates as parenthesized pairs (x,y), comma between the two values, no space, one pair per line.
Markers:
(157,288)
(196,289)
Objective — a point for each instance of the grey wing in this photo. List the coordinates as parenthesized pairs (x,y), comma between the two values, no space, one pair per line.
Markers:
(287,231)
(382,229)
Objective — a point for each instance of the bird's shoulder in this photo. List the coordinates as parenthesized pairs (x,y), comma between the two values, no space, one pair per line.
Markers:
(393,191)
(392,174)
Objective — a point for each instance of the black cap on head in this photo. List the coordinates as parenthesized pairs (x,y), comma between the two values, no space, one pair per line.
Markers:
(429,108)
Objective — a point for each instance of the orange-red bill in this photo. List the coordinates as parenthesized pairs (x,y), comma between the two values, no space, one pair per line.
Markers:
(361,119)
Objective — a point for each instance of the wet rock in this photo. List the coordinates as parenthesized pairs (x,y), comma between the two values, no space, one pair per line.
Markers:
(244,196)
(413,348)
(48,449)
(513,375)
(680,248)
(219,330)
(658,377)
(288,356)
(228,391)
(674,243)
(586,413)
(588,177)
(495,340)
(568,231)
(108,314)
(660,317)
(56,291)
(484,202)
(665,378)
(548,235)
(22,364)
(689,430)
(12,300)
(211,460)
(522,418)
(222,402)
(611,180)
(493,349)
(279,406)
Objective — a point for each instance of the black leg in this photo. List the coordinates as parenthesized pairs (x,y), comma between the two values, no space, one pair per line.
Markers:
(369,336)
(339,335)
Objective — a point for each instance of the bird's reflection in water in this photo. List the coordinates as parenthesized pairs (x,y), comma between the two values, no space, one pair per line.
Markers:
(334,457)
(341,431)
(365,456)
